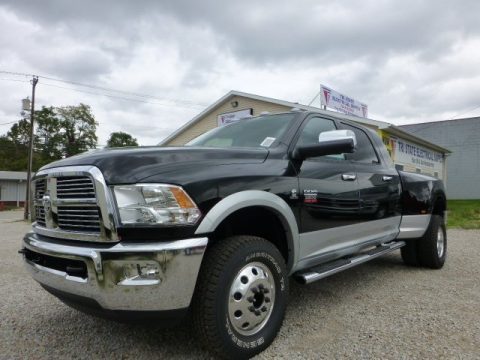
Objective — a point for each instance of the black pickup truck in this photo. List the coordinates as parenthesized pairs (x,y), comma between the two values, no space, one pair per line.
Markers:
(216,229)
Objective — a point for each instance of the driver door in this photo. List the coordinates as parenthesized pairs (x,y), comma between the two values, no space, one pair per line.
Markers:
(329,196)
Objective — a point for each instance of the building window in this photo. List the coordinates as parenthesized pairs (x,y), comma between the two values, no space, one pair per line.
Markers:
(418,171)
(435,174)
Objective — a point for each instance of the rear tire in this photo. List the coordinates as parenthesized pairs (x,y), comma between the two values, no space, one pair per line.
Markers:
(241,295)
(431,249)
(410,253)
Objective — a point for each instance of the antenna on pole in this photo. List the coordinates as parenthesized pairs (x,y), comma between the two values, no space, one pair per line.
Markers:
(311,102)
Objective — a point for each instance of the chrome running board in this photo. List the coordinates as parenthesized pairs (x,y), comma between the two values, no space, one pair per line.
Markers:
(322,271)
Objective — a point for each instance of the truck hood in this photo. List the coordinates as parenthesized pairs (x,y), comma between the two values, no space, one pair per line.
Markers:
(131,165)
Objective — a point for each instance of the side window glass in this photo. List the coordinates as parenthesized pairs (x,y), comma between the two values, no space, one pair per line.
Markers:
(312,130)
(365,153)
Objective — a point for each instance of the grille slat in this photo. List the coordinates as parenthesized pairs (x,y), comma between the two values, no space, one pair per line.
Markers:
(68,216)
(74,194)
(76,179)
(74,187)
(83,221)
(74,212)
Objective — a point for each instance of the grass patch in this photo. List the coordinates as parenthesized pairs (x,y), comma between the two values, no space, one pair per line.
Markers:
(464,214)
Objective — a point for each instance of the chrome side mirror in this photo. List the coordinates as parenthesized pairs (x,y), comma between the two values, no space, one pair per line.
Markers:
(338,135)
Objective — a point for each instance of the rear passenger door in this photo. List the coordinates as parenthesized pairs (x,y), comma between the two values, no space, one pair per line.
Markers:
(379,186)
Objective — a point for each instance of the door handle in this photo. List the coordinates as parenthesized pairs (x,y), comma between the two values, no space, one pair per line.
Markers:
(349,177)
(387,178)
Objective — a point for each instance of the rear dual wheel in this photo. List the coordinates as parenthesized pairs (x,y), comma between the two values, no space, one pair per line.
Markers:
(241,296)
(431,249)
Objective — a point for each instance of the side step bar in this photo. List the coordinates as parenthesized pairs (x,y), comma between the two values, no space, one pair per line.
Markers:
(322,271)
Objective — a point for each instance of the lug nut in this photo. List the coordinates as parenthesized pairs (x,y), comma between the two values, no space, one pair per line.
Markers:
(254,290)
(264,308)
(267,299)
(257,312)
(250,299)
(260,286)
(266,291)
(251,308)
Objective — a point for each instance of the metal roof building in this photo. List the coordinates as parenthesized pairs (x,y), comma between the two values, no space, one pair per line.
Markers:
(462,136)
(409,151)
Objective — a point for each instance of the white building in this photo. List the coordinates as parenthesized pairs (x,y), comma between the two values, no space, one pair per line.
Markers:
(13,187)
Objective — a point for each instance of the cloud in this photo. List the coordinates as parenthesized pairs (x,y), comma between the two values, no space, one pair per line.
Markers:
(410,61)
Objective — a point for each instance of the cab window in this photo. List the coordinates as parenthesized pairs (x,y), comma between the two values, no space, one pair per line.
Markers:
(364,153)
(311,131)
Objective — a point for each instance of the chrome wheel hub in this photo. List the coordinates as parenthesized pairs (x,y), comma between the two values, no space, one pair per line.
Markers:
(440,242)
(251,298)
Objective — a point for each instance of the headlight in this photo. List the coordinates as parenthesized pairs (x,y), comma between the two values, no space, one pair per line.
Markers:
(155,204)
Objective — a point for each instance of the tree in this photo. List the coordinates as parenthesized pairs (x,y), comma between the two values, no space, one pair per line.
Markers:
(14,146)
(19,133)
(49,137)
(121,139)
(79,127)
(60,132)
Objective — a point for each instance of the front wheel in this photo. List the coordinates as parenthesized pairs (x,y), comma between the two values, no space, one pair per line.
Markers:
(241,296)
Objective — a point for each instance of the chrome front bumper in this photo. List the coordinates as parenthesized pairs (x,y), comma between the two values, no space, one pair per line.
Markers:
(169,282)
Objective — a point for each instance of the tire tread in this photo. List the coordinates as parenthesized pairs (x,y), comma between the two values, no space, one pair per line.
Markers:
(203,302)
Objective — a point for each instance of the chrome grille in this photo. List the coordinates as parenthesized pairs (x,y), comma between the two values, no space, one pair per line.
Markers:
(40,188)
(74,218)
(74,203)
(75,187)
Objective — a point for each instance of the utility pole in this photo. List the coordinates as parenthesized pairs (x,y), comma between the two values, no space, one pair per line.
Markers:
(30,150)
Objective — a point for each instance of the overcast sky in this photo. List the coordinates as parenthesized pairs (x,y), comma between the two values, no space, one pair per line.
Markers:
(410,61)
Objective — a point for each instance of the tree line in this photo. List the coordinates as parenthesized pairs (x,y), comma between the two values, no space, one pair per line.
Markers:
(60,132)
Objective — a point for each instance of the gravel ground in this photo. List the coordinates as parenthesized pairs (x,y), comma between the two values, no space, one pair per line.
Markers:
(381,309)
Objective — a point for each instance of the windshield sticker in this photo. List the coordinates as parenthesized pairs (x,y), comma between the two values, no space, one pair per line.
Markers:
(268,141)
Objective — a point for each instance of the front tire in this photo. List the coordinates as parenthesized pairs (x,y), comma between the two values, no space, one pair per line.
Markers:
(241,295)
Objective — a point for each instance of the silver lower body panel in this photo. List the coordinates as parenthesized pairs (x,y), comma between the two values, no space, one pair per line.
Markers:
(172,269)
(414,226)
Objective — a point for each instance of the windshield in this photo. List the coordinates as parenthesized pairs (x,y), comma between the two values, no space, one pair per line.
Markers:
(260,131)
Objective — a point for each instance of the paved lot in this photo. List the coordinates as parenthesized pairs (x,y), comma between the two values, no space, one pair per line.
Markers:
(379,310)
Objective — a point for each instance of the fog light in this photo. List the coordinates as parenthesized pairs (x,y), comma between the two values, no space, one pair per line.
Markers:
(140,273)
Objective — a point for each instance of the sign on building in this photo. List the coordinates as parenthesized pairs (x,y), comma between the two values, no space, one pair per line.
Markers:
(342,103)
(413,157)
(228,118)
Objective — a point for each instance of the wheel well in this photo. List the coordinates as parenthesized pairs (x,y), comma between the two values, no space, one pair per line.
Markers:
(256,221)
(439,206)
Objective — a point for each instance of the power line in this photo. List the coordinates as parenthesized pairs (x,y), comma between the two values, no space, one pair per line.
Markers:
(469,111)
(17,80)
(105,89)
(7,123)
(435,122)
(114,96)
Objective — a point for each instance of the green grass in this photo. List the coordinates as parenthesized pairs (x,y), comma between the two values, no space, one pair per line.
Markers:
(464,214)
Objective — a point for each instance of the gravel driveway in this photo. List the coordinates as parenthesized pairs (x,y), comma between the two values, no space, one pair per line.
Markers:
(381,309)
